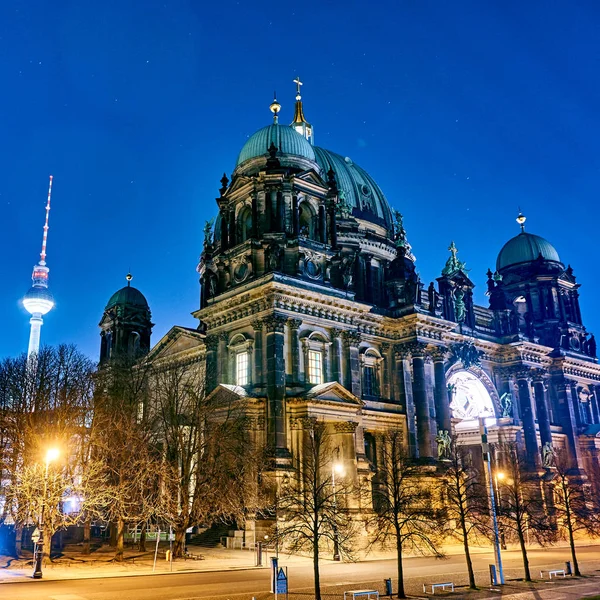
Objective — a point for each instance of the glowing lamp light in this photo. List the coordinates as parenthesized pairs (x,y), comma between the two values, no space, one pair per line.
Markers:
(338,468)
(500,476)
(52,454)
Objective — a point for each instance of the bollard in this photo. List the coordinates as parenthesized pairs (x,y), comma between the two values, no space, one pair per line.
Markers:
(259,553)
(568,569)
(168,555)
(493,578)
(388,587)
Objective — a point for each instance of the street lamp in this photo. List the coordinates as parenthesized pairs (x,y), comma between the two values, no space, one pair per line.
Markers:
(51,454)
(336,467)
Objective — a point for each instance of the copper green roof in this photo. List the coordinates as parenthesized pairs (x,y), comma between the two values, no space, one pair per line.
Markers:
(525,248)
(285,139)
(129,296)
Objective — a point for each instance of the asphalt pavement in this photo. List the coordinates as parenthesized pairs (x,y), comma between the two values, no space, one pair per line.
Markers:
(335,577)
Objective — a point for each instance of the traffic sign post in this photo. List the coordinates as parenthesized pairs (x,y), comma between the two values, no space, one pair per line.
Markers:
(281,582)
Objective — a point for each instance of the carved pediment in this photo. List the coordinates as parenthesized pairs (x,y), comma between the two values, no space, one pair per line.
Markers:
(176,341)
(227,393)
(332,391)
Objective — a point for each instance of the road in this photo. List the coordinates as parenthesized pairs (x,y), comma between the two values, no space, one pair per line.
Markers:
(255,582)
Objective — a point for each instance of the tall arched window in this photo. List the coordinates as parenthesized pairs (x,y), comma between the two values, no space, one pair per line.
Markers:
(307,221)
(371,373)
(315,358)
(240,354)
(244,224)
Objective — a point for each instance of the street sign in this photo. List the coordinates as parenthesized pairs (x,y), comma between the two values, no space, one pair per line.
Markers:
(281,582)
(35,536)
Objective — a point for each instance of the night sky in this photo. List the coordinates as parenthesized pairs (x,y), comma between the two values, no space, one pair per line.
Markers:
(461,111)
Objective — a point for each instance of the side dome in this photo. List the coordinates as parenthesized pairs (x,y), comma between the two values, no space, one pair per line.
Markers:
(286,139)
(359,189)
(128,296)
(525,248)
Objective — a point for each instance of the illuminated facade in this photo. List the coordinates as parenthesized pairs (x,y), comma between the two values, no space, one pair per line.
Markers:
(311,306)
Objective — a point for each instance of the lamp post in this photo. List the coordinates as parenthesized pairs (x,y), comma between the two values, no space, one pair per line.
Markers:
(338,468)
(51,454)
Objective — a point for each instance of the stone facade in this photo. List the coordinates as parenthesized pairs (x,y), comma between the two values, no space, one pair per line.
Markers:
(311,307)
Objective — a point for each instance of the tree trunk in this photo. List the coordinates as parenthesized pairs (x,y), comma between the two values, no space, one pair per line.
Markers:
(113,534)
(468,554)
(179,545)
(523,551)
(87,536)
(120,537)
(142,546)
(18,541)
(576,570)
(401,592)
(316,568)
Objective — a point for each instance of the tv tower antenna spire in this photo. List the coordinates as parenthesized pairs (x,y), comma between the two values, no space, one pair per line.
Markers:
(38,301)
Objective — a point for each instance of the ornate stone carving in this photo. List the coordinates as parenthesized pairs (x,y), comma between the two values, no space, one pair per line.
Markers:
(257,325)
(351,338)
(212,342)
(438,353)
(294,323)
(335,333)
(345,426)
(223,337)
(384,347)
(466,353)
(275,323)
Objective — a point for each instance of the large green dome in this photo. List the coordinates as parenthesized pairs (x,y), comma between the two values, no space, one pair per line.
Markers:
(358,188)
(128,296)
(286,140)
(525,248)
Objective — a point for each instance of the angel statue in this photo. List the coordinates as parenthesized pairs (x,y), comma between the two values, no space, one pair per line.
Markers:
(443,444)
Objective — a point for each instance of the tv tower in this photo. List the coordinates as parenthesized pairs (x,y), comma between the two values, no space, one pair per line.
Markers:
(38,300)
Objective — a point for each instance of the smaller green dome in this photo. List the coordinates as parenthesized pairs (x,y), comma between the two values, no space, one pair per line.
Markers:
(285,139)
(129,296)
(525,248)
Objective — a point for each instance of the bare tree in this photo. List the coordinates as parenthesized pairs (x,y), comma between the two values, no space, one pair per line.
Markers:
(403,509)
(521,507)
(312,511)
(212,461)
(466,500)
(575,508)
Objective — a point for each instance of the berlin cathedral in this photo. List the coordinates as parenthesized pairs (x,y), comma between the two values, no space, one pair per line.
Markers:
(311,307)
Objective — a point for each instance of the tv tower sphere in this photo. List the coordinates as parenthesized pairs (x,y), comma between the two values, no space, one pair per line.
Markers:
(38,301)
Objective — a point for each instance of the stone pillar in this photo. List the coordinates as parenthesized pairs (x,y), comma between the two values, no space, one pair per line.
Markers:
(224,232)
(368,279)
(322,224)
(384,348)
(294,325)
(541,408)
(212,347)
(335,356)
(594,403)
(352,382)
(531,446)
(421,404)
(332,224)
(567,408)
(276,429)
(223,358)
(405,396)
(258,377)
(442,404)
(254,216)
(295,216)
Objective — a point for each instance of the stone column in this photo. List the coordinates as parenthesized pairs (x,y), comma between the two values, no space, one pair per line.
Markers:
(294,325)
(384,348)
(541,407)
(335,355)
(295,216)
(258,378)
(531,445)
(567,408)
(442,405)
(254,216)
(276,428)
(223,358)
(421,403)
(405,395)
(368,279)
(280,212)
(345,440)
(594,403)
(322,224)
(224,232)
(351,340)
(212,347)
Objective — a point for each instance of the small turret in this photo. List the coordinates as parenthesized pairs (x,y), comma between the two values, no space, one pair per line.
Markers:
(300,124)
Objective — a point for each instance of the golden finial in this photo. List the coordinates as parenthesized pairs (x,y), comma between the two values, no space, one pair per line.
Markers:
(521,220)
(275,107)
(129,277)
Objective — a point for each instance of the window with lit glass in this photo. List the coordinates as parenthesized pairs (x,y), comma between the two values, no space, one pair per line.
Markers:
(242,367)
(315,366)
(369,381)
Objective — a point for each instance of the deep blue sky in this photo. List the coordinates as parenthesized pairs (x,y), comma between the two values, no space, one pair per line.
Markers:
(462,111)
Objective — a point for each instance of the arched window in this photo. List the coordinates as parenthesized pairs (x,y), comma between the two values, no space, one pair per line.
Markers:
(370,373)
(244,224)
(133,343)
(316,349)
(240,349)
(307,221)
(469,398)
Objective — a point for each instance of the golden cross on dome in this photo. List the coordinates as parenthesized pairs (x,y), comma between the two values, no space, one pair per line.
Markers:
(298,84)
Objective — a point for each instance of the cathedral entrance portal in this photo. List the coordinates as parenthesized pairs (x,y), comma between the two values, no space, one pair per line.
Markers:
(469,400)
